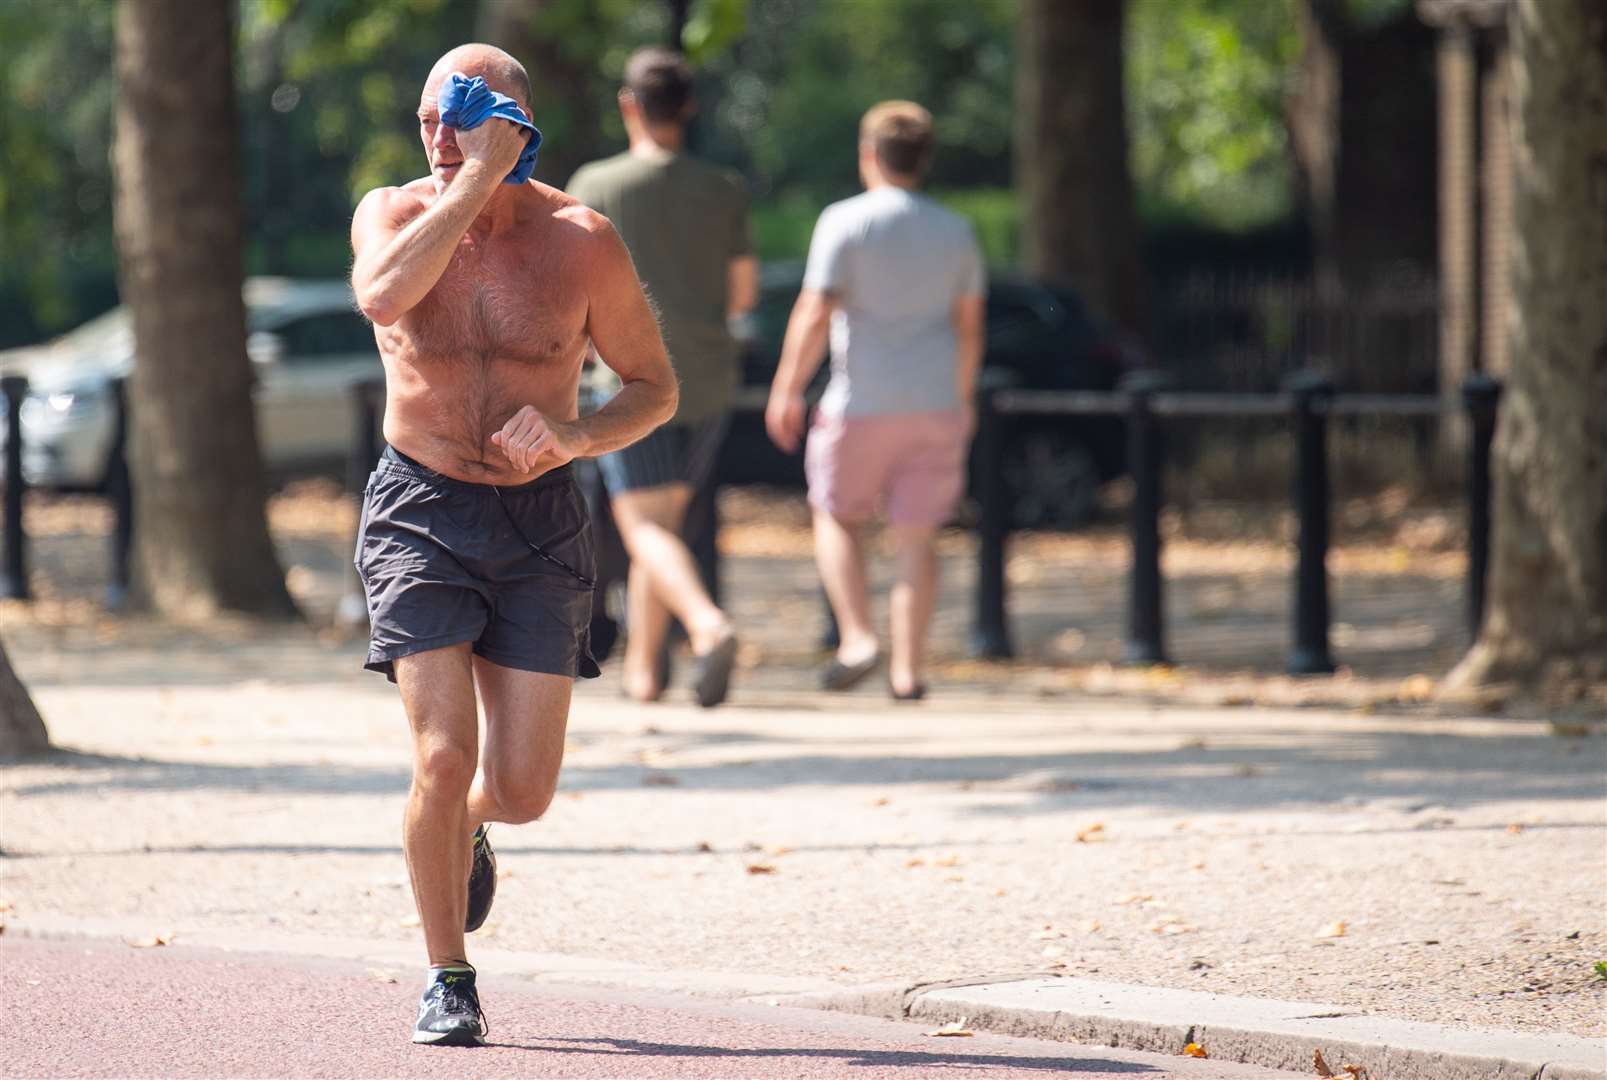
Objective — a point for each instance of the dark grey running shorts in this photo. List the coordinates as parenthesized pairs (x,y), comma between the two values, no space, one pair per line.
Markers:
(445,561)
(672,454)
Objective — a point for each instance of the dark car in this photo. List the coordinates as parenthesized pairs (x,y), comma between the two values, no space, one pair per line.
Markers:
(1043,337)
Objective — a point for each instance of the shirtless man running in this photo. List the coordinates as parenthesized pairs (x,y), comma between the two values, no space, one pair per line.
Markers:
(474,545)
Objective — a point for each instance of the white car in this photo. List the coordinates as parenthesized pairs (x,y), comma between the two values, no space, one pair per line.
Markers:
(307,342)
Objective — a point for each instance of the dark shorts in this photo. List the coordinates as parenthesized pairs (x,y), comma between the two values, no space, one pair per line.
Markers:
(444,561)
(672,454)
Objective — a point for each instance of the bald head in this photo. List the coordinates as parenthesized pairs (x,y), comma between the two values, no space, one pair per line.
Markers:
(500,71)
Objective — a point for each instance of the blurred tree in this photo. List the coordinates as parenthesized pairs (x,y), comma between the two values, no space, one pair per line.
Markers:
(201,536)
(1360,116)
(1206,81)
(21,729)
(1546,626)
(1079,223)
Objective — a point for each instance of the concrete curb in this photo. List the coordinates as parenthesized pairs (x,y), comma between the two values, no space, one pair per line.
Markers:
(1253,1031)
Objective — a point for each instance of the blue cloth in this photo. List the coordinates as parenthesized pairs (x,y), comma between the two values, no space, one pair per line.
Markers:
(467,103)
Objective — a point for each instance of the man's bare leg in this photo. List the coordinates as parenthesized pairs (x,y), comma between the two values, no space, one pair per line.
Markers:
(648,621)
(649,523)
(526,715)
(438,693)
(840,556)
(914,595)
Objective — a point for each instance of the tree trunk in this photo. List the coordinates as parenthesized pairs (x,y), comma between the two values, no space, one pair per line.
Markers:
(1545,632)
(1079,227)
(201,535)
(21,729)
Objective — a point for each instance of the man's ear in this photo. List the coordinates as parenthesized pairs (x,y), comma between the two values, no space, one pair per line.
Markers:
(627,103)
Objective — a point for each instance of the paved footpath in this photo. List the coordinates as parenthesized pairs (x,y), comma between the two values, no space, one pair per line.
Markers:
(95,1009)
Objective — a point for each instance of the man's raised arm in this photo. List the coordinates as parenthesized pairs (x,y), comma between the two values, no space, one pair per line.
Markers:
(399,254)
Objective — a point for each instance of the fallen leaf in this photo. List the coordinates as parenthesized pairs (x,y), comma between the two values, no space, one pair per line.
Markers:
(883,801)
(1320,1065)
(761,868)
(1415,688)
(1356,1072)
(1195,1050)
(1091,833)
(155,940)
(5,906)
(954,879)
(705,848)
(1333,929)
(999,892)
(1515,828)
(954,1030)
(659,780)
(913,863)
(779,849)
(504,874)
(1089,926)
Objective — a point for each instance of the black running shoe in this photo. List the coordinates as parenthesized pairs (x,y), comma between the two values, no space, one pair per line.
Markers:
(449,1012)
(482,882)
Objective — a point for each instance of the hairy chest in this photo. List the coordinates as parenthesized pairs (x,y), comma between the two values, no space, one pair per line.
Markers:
(504,300)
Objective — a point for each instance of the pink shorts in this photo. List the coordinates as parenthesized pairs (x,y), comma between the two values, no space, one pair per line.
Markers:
(911,464)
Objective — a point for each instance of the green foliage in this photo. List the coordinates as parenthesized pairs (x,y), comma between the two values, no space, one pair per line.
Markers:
(791,94)
(57,264)
(1205,85)
(327,88)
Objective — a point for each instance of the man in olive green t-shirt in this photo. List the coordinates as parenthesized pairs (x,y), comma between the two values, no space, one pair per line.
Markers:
(686,225)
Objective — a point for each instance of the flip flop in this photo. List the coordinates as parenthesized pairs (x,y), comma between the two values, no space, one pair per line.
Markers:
(841,676)
(712,676)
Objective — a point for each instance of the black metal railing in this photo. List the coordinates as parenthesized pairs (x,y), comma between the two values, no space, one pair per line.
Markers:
(1144,399)
(1308,400)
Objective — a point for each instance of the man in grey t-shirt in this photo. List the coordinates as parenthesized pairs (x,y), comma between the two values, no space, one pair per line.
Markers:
(897,284)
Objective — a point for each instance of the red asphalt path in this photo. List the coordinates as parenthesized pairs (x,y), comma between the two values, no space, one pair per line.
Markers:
(96,1008)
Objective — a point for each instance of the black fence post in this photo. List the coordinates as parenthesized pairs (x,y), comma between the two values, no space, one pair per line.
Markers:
(352,608)
(14,561)
(990,632)
(1146,627)
(120,491)
(1310,391)
(1481,395)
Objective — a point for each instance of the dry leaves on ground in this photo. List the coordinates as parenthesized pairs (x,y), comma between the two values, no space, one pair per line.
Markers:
(955,1029)
(1195,1050)
(1356,1072)
(167,937)
(761,868)
(1094,832)
(1333,930)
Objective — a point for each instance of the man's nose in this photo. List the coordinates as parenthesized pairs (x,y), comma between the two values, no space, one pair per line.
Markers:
(446,138)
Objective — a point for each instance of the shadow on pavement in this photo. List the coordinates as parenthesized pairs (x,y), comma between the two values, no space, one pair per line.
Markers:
(863,1058)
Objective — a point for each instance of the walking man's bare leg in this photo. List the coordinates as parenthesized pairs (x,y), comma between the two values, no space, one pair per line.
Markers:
(840,556)
(914,594)
(649,522)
